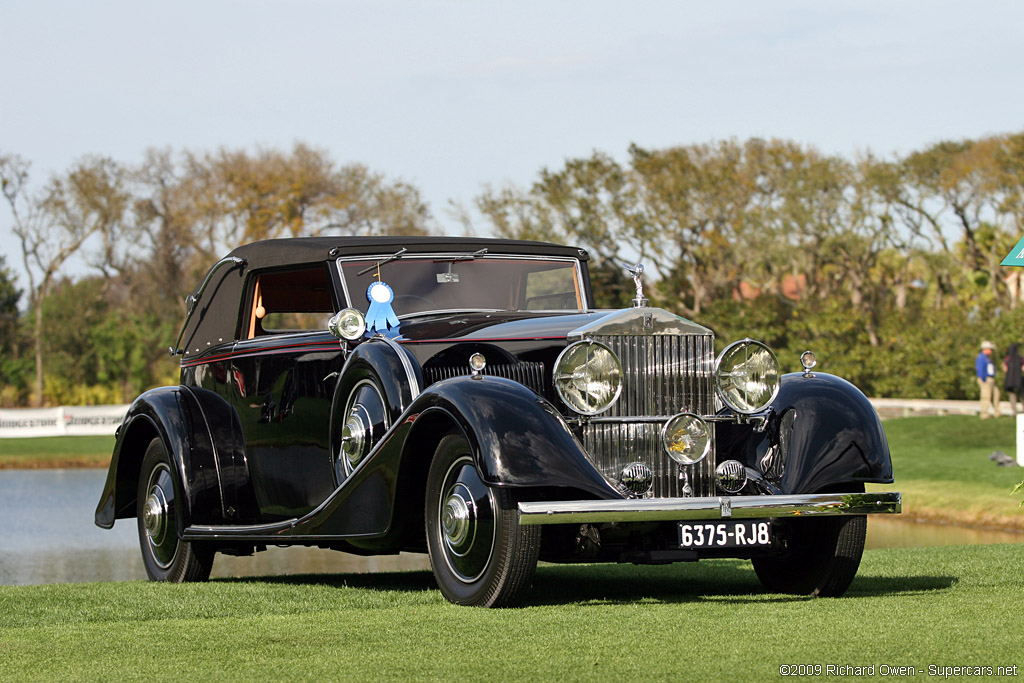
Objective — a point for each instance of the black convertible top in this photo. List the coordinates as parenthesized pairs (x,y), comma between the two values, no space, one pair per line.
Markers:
(270,253)
(218,297)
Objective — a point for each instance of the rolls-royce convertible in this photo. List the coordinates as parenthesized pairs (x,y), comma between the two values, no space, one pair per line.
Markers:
(463,397)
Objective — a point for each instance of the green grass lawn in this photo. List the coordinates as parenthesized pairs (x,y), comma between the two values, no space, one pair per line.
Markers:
(56,451)
(707,621)
(942,468)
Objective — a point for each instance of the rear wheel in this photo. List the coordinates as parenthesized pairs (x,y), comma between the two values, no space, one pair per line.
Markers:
(821,559)
(478,551)
(165,556)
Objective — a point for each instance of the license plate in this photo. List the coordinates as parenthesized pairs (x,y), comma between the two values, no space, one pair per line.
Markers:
(737,533)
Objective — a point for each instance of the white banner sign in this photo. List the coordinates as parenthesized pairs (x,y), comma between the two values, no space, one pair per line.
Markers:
(1020,439)
(63,421)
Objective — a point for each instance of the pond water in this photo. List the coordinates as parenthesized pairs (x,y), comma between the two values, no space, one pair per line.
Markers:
(47,535)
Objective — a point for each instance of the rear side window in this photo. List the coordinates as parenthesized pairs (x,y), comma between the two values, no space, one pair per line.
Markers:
(288,301)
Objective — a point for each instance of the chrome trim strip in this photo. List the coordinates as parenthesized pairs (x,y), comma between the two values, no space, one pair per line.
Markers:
(414,386)
(716,507)
(199,532)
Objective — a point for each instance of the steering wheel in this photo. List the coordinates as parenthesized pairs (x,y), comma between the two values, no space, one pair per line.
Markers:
(428,304)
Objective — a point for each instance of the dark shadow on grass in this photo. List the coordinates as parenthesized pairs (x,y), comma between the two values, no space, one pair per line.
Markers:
(731,581)
(403,581)
(892,585)
(725,580)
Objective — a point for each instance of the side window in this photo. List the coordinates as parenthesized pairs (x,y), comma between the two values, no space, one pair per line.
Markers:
(289,301)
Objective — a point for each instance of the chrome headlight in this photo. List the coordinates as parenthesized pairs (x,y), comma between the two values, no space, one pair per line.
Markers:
(747,376)
(347,324)
(686,438)
(588,377)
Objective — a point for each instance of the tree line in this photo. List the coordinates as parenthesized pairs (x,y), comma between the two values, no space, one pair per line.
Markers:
(146,234)
(888,268)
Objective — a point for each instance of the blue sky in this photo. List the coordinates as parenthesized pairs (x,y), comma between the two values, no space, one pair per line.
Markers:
(452,95)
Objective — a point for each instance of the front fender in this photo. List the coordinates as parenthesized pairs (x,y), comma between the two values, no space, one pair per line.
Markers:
(822,434)
(518,438)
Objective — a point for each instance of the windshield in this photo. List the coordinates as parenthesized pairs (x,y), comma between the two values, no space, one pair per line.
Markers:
(466,282)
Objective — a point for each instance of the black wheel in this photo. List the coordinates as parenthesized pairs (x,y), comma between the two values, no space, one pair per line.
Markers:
(479,553)
(158,510)
(821,559)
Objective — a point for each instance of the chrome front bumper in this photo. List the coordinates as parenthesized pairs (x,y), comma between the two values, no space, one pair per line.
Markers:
(714,507)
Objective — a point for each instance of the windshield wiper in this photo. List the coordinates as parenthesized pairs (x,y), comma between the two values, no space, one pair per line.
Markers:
(465,257)
(394,257)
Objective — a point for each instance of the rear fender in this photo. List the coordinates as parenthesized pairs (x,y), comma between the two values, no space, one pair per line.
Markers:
(202,438)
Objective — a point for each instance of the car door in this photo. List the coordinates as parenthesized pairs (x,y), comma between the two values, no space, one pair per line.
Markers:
(282,374)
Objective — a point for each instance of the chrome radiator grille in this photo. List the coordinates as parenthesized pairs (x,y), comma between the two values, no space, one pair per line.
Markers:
(662,375)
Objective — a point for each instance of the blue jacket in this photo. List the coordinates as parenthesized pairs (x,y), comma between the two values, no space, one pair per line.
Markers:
(984,367)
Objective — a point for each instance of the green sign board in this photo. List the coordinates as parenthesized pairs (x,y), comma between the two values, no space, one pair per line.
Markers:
(1016,255)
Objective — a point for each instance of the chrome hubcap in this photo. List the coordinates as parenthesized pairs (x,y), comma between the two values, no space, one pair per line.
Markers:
(158,517)
(154,517)
(366,420)
(465,521)
(354,435)
(455,520)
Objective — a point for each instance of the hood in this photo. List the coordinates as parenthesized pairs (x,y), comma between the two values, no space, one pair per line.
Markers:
(498,326)
(509,326)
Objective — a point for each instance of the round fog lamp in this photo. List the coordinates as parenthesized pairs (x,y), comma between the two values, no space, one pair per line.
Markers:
(686,438)
(347,324)
(731,476)
(637,477)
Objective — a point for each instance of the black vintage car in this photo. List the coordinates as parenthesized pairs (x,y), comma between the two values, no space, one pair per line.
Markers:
(462,397)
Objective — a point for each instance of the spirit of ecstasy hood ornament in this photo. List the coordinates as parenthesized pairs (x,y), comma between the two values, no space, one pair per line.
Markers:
(637,272)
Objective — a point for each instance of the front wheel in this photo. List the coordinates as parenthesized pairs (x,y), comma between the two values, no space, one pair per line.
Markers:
(166,557)
(479,553)
(821,559)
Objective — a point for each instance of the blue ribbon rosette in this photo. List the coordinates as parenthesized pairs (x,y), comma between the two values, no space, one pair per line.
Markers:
(380,315)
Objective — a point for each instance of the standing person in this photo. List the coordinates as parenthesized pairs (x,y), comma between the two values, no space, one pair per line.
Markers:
(1013,365)
(985,371)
